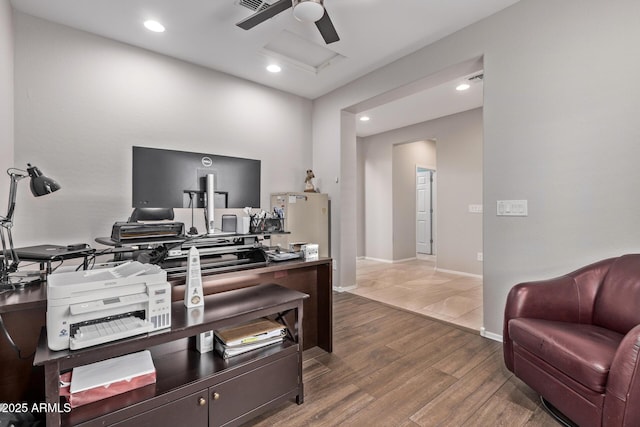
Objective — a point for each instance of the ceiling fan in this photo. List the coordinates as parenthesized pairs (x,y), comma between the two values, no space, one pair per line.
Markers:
(303,10)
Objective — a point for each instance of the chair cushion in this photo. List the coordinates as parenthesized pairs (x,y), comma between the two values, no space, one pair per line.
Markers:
(582,352)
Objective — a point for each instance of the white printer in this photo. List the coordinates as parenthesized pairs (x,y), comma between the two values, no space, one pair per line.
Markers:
(91,307)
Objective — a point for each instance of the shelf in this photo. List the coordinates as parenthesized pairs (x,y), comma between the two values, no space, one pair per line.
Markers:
(178,373)
(222,309)
(180,369)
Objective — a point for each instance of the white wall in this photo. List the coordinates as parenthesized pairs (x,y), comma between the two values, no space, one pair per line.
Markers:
(406,157)
(388,188)
(347,206)
(361,213)
(377,186)
(389,167)
(82,101)
(459,150)
(6,100)
(561,130)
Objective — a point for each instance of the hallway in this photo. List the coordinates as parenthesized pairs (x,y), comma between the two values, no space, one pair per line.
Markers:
(417,286)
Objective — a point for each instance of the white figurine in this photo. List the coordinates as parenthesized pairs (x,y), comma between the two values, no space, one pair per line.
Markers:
(309,182)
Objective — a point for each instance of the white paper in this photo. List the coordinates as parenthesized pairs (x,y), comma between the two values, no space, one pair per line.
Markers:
(109,371)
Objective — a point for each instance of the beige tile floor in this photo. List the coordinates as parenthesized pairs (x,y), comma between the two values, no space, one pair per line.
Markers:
(417,286)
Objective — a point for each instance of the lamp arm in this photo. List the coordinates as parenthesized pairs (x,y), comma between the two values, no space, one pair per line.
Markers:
(7,221)
(4,263)
(10,257)
(40,185)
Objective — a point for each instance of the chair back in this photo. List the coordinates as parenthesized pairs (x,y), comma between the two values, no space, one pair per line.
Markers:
(617,303)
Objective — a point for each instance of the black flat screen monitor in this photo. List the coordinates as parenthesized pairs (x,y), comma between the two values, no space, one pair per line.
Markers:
(177,179)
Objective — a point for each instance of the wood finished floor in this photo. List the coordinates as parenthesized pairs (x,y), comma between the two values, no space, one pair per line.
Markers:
(393,368)
(417,286)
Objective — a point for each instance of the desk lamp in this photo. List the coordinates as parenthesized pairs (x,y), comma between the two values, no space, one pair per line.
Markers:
(40,185)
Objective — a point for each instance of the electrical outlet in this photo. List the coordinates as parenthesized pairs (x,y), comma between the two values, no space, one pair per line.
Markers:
(334,264)
(480,257)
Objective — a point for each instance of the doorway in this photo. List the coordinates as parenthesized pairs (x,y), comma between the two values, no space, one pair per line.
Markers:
(425,210)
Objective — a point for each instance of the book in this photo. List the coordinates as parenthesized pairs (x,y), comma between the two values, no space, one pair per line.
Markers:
(252,332)
(230,351)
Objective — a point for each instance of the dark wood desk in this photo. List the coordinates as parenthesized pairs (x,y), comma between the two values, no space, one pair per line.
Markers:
(23,312)
(311,277)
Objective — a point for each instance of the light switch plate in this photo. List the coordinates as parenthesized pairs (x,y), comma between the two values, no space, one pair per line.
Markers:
(512,208)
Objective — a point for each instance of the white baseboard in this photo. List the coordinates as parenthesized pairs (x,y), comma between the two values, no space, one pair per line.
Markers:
(459,273)
(404,260)
(490,335)
(387,261)
(341,289)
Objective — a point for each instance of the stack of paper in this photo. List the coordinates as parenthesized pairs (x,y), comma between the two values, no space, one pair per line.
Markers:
(110,377)
(249,336)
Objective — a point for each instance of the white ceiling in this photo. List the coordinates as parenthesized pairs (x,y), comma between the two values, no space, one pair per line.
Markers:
(438,101)
(372,33)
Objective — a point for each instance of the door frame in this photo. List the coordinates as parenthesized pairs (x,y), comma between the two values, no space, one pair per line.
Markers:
(431,207)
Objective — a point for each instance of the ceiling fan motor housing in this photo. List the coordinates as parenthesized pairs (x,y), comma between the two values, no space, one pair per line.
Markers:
(303,10)
(308,10)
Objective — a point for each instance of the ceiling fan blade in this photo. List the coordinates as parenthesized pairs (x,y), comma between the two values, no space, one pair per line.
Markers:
(264,14)
(326,28)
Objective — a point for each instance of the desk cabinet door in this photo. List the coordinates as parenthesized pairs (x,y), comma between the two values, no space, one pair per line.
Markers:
(240,398)
(189,411)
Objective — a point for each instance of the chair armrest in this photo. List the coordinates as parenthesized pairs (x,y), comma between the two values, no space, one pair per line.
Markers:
(622,400)
(553,299)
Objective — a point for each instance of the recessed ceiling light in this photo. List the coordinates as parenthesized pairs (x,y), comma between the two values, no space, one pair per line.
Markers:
(365,118)
(154,26)
(273,68)
(463,86)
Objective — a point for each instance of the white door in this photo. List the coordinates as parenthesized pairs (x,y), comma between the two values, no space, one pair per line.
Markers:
(424,211)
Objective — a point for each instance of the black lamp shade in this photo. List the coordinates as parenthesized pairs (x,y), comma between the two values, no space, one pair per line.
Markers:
(40,184)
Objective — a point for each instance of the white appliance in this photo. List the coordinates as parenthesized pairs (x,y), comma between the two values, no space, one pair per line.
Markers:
(306,218)
(86,308)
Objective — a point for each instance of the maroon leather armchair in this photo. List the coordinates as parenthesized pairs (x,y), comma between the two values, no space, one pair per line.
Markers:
(575,340)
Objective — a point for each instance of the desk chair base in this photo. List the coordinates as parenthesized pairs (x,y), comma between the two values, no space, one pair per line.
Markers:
(557,415)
